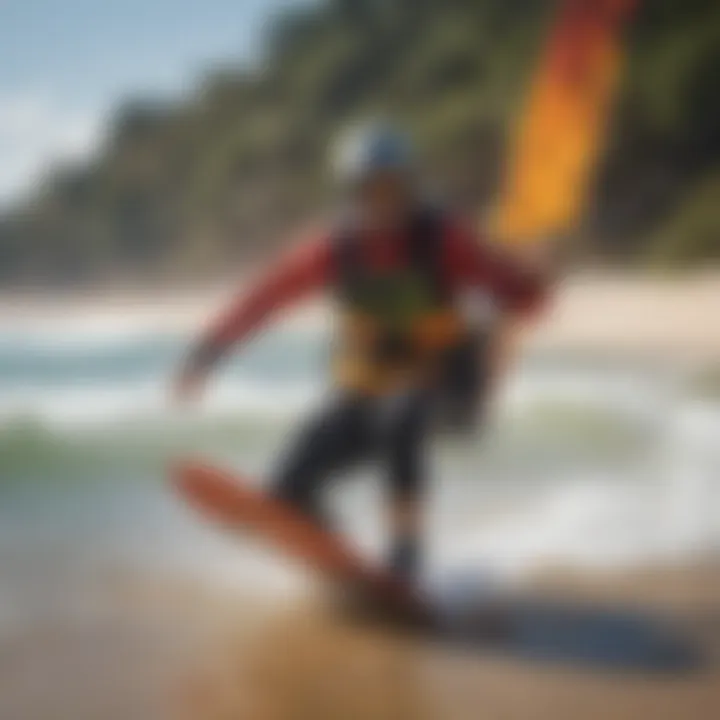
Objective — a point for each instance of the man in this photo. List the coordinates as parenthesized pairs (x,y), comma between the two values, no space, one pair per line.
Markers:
(398,268)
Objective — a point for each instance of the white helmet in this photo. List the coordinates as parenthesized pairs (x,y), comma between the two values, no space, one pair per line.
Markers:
(371,148)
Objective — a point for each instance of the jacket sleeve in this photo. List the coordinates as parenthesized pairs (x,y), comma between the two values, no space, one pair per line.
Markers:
(471,262)
(296,275)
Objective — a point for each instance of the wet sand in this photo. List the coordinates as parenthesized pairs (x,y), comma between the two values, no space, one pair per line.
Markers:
(152,648)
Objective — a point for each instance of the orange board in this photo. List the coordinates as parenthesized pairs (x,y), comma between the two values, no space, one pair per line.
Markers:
(232,501)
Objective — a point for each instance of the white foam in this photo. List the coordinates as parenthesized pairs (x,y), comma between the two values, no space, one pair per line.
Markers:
(67,406)
(670,512)
(667,509)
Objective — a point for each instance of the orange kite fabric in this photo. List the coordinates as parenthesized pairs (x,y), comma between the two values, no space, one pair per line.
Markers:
(561,131)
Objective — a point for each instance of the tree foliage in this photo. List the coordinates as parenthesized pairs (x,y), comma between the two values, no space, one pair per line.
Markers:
(228,171)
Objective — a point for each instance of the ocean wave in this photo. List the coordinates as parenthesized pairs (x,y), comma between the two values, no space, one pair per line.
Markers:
(590,522)
(576,515)
(76,339)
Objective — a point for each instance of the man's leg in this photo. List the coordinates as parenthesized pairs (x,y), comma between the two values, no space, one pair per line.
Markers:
(405,437)
(337,436)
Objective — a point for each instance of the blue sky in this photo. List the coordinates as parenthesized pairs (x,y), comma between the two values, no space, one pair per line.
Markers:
(64,64)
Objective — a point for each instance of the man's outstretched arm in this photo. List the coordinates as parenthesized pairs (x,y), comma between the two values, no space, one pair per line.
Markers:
(297,274)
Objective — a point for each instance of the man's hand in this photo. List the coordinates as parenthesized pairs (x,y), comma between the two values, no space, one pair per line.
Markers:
(188,387)
(190,382)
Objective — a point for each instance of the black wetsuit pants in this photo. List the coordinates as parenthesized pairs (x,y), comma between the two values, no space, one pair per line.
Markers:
(351,429)
(391,431)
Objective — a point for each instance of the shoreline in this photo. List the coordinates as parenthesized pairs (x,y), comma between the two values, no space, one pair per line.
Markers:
(177,650)
(673,317)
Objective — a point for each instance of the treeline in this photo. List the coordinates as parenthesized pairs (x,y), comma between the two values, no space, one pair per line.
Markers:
(218,178)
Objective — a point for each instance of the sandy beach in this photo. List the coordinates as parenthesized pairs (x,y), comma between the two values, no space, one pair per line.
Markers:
(670,316)
(164,650)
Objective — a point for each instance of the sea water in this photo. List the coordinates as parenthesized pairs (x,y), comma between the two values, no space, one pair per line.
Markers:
(587,461)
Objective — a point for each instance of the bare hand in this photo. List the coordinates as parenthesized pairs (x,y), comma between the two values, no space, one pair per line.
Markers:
(187,388)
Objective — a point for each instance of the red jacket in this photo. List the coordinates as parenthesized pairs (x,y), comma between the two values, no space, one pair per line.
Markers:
(310,267)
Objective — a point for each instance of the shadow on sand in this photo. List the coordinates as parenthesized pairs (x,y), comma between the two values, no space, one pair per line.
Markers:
(538,628)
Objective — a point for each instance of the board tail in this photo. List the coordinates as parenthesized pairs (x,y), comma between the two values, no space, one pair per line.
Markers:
(234,503)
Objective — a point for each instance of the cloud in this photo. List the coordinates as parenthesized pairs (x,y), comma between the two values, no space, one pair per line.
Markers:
(36,132)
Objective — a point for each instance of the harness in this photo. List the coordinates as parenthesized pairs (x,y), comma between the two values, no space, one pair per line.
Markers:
(396,322)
